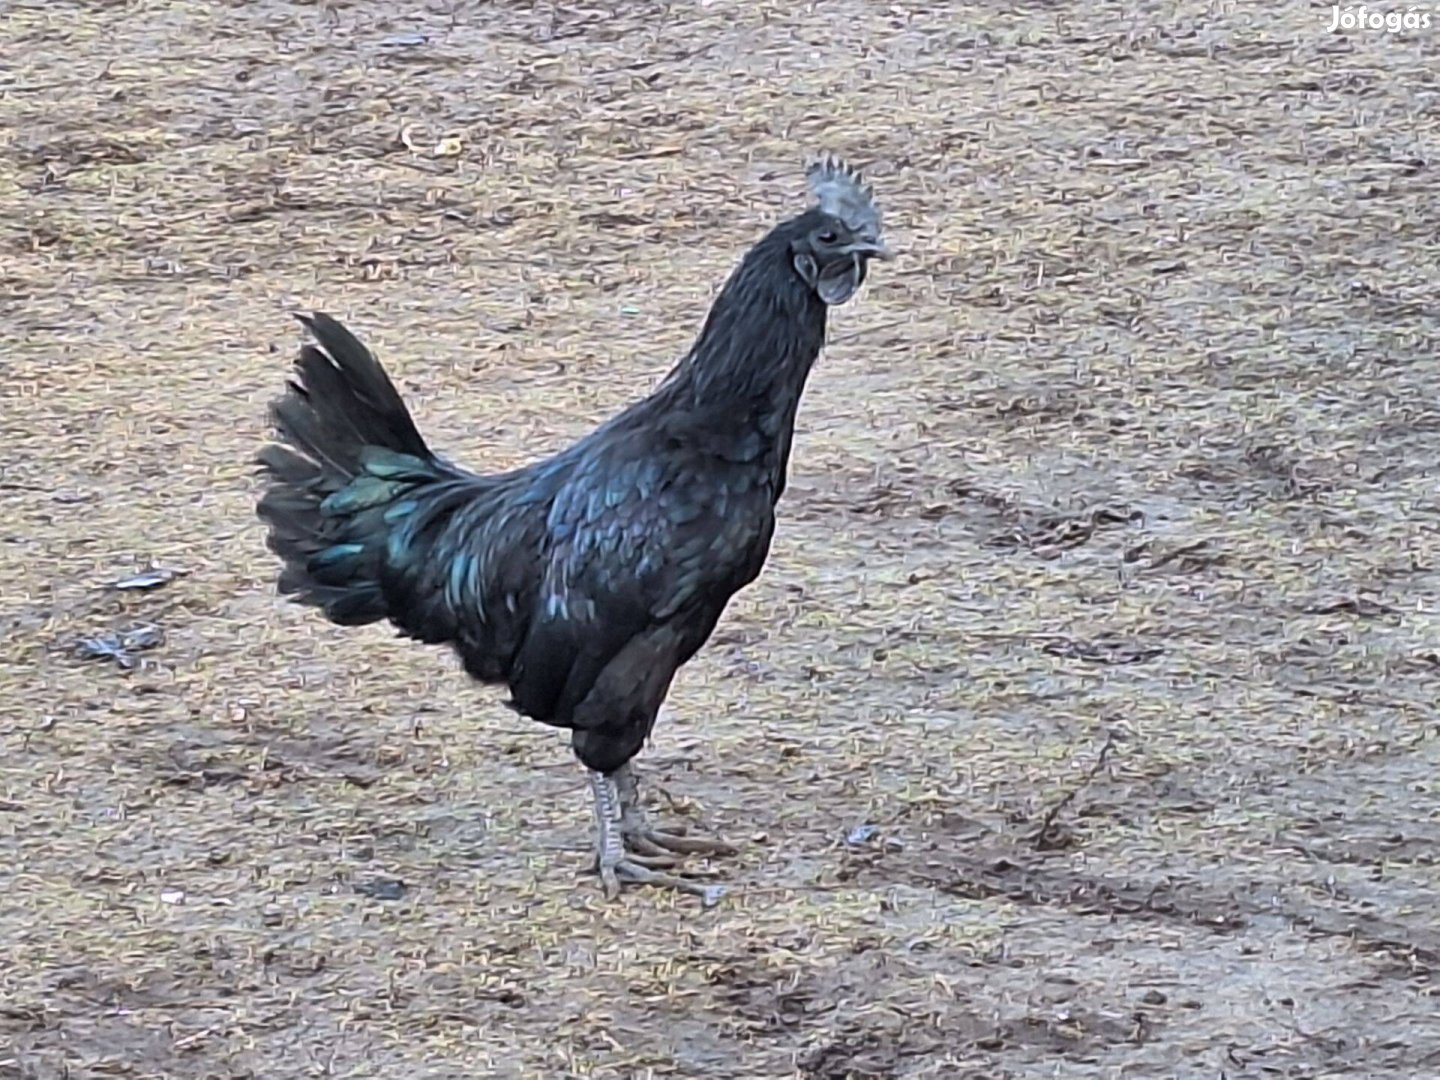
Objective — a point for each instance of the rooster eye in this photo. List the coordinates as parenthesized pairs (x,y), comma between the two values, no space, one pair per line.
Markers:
(827,237)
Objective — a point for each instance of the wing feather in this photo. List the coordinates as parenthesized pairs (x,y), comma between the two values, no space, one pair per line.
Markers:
(637,541)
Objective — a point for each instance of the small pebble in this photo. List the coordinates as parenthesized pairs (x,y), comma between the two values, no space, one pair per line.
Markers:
(381,889)
(861,834)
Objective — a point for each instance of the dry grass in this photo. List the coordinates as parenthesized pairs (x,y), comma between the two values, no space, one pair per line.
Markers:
(1134,452)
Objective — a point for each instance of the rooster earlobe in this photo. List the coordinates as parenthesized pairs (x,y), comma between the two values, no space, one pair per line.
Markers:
(806,267)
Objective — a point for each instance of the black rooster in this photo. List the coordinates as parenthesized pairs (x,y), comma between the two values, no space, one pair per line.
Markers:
(584,581)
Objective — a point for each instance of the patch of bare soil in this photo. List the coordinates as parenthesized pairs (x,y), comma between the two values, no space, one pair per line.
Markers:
(1083,724)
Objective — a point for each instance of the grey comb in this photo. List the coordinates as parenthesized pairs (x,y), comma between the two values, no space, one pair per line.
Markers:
(840,191)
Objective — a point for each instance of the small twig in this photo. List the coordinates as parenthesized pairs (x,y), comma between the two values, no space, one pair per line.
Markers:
(194,1038)
(813,887)
(1039,839)
(856,334)
(1014,635)
(1330,1045)
(29,88)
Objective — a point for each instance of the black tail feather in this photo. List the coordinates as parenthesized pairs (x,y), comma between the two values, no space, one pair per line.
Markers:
(343,401)
(348,448)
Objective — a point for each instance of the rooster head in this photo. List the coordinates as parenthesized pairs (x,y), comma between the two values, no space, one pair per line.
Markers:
(840,235)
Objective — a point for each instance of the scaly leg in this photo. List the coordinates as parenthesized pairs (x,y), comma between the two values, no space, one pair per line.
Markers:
(643,837)
(618,864)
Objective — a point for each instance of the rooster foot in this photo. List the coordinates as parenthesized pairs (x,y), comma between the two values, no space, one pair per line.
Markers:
(628,850)
(644,838)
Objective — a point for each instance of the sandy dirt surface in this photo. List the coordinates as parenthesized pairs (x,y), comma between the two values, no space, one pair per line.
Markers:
(1083,724)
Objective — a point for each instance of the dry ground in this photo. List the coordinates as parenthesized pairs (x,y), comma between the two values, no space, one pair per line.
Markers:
(1105,591)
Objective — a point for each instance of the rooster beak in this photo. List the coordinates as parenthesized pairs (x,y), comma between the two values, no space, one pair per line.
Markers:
(872,248)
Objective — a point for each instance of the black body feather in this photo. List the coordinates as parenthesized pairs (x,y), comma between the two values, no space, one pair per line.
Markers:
(583,581)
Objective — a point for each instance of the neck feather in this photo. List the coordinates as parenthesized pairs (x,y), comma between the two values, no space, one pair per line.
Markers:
(760,339)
